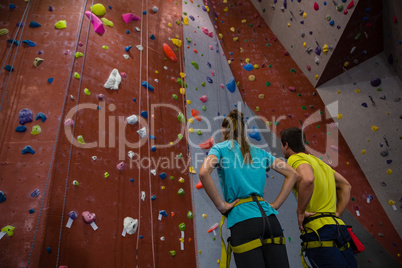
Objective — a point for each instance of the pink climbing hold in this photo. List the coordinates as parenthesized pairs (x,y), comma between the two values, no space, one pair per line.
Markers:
(333,147)
(120,166)
(309,67)
(293,89)
(211,34)
(212,73)
(205,30)
(316,7)
(88,217)
(211,47)
(96,22)
(222,86)
(351,4)
(204,98)
(69,122)
(130,17)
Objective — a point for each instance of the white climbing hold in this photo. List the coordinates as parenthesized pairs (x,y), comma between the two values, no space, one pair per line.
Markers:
(142,195)
(142,132)
(132,120)
(137,29)
(114,80)
(140,48)
(130,225)
(126,56)
(131,154)
(153,172)
(317,60)
(156,80)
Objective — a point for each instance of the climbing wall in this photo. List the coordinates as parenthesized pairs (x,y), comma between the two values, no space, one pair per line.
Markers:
(324,37)
(89,155)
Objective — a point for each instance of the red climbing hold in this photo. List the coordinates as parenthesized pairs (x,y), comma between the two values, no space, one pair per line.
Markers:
(351,4)
(196,114)
(169,52)
(395,19)
(316,7)
(199,185)
(285,53)
(207,144)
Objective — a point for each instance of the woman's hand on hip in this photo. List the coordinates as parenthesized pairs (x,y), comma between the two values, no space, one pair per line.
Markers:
(225,207)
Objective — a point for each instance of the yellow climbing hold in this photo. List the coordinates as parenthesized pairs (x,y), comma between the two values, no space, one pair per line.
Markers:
(247,60)
(192,170)
(183,75)
(346,64)
(191,130)
(229,61)
(304,14)
(235,38)
(261,96)
(80,139)
(232,29)
(374,128)
(251,78)
(3,31)
(77,75)
(188,102)
(363,151)
(338,92)
(288,24)
(37,61)
(163,187)
(156,72)
(177,42)
(78,55)
(107,22)
(191,120)
(61,24)
(243,21)
(204,215)
(105,47)
(207,8)
(169,24)
(256,66)
(185,20)
(182,91)
(389,171)
(316,77)
(357,90)
(36,130)
(181,239)
(325,49)
(241,50)
(220,35)
(87,91)
(98,9)
(257,108)
(226,9)
(304,44)
(340,116)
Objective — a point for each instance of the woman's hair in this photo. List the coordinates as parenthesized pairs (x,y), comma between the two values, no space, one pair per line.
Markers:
(233,125)
(295,138)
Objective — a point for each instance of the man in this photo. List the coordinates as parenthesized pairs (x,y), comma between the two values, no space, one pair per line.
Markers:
(322,196)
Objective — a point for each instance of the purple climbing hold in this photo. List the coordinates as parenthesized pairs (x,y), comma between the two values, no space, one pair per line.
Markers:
(20,24)
(72,215)
(35,193)
(209,64)
(50,8)
(275,1)
(204,8)
(25,116)
(191,18)
(285,4)
(375,82)
(317,50)
(27,150)
(209,80)
(389,161)
(364,104)
(302,22)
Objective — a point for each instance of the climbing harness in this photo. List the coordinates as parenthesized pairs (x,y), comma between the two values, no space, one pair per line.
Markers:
(258,242)
(318,243)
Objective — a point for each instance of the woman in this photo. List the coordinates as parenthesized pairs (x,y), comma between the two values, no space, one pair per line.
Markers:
(242,168)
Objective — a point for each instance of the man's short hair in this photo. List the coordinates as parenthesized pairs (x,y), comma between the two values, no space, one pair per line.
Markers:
(295,138)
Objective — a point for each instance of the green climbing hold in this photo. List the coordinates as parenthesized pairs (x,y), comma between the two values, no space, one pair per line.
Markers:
(182,226)
(204,108)
(175,97)
(199,132)
(181,191)
(307,143)
(77,75)
(304,107)
(339,8)
(189,40)
(172,177)
(180,156)
(172,253)
(213,238)
(268,44)
(276,123)
(190,215)
(196,88)
(194,64)
(180,136)
(299,94)
(267,84)
(185,13)
(318,126)
(180,117)
(203,84)
(379,89)
(251,25)
(353,199)
(293,70)
(246,40)
(358,36)
(263,11)
(181,82)
(269,66)
(177,22)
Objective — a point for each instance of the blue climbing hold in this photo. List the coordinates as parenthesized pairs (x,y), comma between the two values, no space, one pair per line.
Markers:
(11,6)
(127,31)
(41,116)
(144,114)
(127,49)
(9,68)
(148,86)
(153,197)
(255,134)
(32,211)
(2,197)
(14,42)
(34,24)
(248,67)
(231,85)
(134,99)
(144,12)
(152,37)
(20,24)
(27,150)
(209,80)
(163,213)
(153,148)
(332,22)
(21,129)
(152,137)
(163,175)
(131,180)
(110,7)
(50,80)
(49,249)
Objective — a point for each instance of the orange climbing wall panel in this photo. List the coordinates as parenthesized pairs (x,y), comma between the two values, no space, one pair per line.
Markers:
(113,198)
(260,45)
